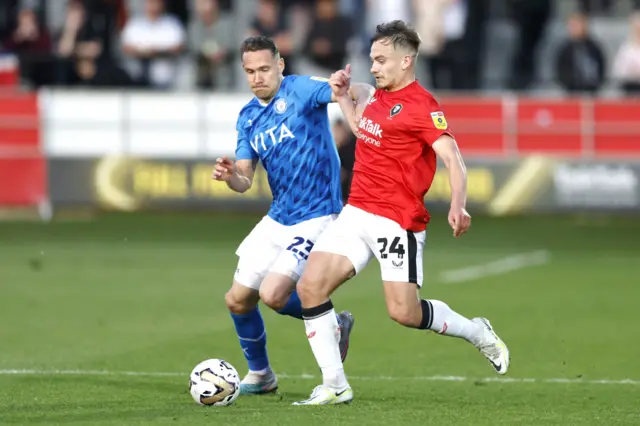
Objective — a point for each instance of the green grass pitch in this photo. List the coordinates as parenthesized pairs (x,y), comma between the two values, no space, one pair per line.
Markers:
(82,304)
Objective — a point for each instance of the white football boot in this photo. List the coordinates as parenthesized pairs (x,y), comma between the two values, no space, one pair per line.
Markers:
(493,348)
(323,395)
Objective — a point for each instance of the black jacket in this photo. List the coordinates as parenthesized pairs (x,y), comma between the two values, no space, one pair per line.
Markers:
(580,66)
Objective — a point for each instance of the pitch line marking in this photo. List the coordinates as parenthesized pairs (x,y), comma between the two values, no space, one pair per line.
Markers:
(26,372)
(497,267)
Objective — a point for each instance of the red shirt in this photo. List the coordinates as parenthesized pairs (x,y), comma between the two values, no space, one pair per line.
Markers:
(395,163)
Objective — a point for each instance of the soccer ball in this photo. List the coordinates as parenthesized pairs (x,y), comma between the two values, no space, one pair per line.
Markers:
(214,382)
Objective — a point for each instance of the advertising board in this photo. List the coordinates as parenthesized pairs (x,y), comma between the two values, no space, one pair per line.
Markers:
(494,186)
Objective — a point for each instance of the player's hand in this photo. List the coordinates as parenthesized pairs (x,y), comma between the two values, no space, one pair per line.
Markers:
(340,81)
(224,169)
(459,220)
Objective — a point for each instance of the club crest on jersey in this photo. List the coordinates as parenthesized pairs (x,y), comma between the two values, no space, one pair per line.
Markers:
(280,105)
(395,110)
(438,120)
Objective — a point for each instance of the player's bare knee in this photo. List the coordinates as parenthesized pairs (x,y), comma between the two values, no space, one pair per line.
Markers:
(325,272)
(276,289)
(240,302)
(312,291)
(274,298)
(234,305)
(312,287)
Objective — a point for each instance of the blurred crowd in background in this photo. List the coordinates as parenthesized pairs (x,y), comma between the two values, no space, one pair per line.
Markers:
(587,46)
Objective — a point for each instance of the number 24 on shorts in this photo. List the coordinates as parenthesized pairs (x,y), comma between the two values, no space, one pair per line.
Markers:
(296,247)
(396,247)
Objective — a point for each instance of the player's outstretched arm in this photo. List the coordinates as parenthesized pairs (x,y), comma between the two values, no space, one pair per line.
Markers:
(447,149)
(352,98)
(238,175)
(354,102)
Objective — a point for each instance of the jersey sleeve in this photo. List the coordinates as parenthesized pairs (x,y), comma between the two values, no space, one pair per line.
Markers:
(317,90)
(435,124)
(244,150)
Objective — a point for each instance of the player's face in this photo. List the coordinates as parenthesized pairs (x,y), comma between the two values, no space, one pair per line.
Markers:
(264,72)
(388,64)
(154,7)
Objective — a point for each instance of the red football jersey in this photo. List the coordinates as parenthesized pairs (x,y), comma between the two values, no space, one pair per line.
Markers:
(395,163)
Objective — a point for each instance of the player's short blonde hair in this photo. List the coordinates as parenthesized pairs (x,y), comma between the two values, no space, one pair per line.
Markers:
(400,34)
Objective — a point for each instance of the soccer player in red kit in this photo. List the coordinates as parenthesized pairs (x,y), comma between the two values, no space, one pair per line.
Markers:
(400,129)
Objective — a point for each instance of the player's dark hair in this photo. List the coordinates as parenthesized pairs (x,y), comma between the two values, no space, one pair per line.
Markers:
(258,43)
(399,34)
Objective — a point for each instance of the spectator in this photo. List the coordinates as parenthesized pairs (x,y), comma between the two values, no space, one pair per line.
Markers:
(153,42)
(580,64)
(86,39)
(270,22)
(106,18)
(8,12)
(452,41)
(101,74)
(379,11)
(297,14)
(75,22)
(429,22)
(29,35)
(353,8)
(530,17)
(31,42)
(74,39)
(212,40)
(626,65)
(326,44)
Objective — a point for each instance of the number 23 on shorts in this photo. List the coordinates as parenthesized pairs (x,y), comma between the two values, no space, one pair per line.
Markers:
(301,247)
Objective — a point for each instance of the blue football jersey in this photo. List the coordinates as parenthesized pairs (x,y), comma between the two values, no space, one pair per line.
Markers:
(292,139)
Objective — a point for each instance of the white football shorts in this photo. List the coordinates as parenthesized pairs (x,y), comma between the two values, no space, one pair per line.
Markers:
(273,247)
(359,236)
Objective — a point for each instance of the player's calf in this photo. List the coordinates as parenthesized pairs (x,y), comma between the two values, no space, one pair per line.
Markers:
(403,305)
(409,316)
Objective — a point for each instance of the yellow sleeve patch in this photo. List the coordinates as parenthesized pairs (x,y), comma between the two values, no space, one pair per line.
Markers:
(438,120)
(319,79)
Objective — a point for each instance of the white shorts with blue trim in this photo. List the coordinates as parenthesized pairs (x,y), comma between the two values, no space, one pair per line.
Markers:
(273,247)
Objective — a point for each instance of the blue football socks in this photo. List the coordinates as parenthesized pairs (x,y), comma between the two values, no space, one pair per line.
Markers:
(253,339)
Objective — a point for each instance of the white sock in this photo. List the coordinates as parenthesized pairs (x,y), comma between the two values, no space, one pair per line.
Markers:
(448,322)
(262,372)
(323,333)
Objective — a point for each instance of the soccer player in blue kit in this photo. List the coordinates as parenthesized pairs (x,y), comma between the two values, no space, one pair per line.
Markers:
(286,127)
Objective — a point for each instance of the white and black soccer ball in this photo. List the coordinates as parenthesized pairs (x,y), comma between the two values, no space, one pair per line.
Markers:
(214,382)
